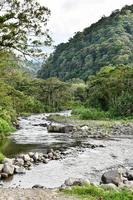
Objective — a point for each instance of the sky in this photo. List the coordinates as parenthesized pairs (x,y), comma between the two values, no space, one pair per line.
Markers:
(70,16)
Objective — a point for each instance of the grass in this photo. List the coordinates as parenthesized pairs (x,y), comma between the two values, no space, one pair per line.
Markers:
(90,192)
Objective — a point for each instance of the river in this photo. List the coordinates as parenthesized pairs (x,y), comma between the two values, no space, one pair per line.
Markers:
(80,161)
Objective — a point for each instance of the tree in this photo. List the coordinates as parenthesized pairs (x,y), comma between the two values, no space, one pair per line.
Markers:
(23,26)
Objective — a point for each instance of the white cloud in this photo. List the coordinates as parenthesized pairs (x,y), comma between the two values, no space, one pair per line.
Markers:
(70,16)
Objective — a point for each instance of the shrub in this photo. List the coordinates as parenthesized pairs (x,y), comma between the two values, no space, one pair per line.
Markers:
(1,157)
(5,128)
(90,113)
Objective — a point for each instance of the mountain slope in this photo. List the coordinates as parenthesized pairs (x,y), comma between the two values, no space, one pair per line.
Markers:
(107,42)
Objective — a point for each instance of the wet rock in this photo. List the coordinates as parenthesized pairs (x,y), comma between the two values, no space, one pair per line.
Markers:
(8,169)
(1,167)
(76,181)
(26,157)
(20,170)
(19,162)
(130,175)
(60,128)
(31,154)
(8,160)
(109,186)
(38,186)
(4,175)
(35,156)
(50,155)
(45,155)
(45,161)
(112,176)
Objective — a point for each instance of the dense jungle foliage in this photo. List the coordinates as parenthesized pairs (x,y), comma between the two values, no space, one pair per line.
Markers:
(107,42)
(20,93)
(104,50)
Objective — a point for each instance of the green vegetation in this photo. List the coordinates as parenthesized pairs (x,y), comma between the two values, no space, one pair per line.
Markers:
(1,157)
(108,94)
(22,24)
(109,42)
(90,192)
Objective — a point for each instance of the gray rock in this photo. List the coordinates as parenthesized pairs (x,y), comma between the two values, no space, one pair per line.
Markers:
(50,155)
(19,162)
(8,169)
(112,176)
(1,167)
(60,128)
(4,175)
(38,186)
(26,157)
(130,175)
(31,154)
(8,160)
(76,181)
(20,170)
(35,156)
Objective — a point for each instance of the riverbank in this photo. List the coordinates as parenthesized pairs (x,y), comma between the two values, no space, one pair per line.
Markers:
(95,128)
(32,194)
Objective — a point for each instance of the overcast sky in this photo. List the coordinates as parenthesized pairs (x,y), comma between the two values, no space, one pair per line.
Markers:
(70,16)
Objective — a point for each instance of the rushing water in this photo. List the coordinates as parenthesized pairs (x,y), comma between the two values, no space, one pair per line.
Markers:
(80,161)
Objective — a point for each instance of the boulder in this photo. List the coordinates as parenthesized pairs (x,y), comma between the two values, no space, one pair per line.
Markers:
(8,160)
(26,157)
(60,128)
(36,156)
(8,169)
(19,162)
(75,181)
(31,154)
(129,175)
(112,176)
(4,175)
(50,155)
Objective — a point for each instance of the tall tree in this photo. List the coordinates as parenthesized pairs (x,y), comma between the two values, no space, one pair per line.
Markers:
(23,26)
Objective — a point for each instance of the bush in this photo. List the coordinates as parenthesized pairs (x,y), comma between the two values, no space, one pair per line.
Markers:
(1,157)
(90,113)
(5,128)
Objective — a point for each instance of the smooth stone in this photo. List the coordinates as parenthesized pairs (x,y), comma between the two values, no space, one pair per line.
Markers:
(112,176)
(76,181)
(26,157)
(8,169)
(4,175)
(19,162)
(36,156)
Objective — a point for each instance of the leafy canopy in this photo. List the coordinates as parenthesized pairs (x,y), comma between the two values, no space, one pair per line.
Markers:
(23,26)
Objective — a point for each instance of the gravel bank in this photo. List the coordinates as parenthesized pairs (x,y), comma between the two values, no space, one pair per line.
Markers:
(31,194)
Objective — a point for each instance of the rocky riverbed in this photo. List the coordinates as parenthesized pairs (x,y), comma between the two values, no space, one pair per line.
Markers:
(72,156)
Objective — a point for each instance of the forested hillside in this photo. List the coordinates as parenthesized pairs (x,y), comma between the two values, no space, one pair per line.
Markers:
(107,42)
